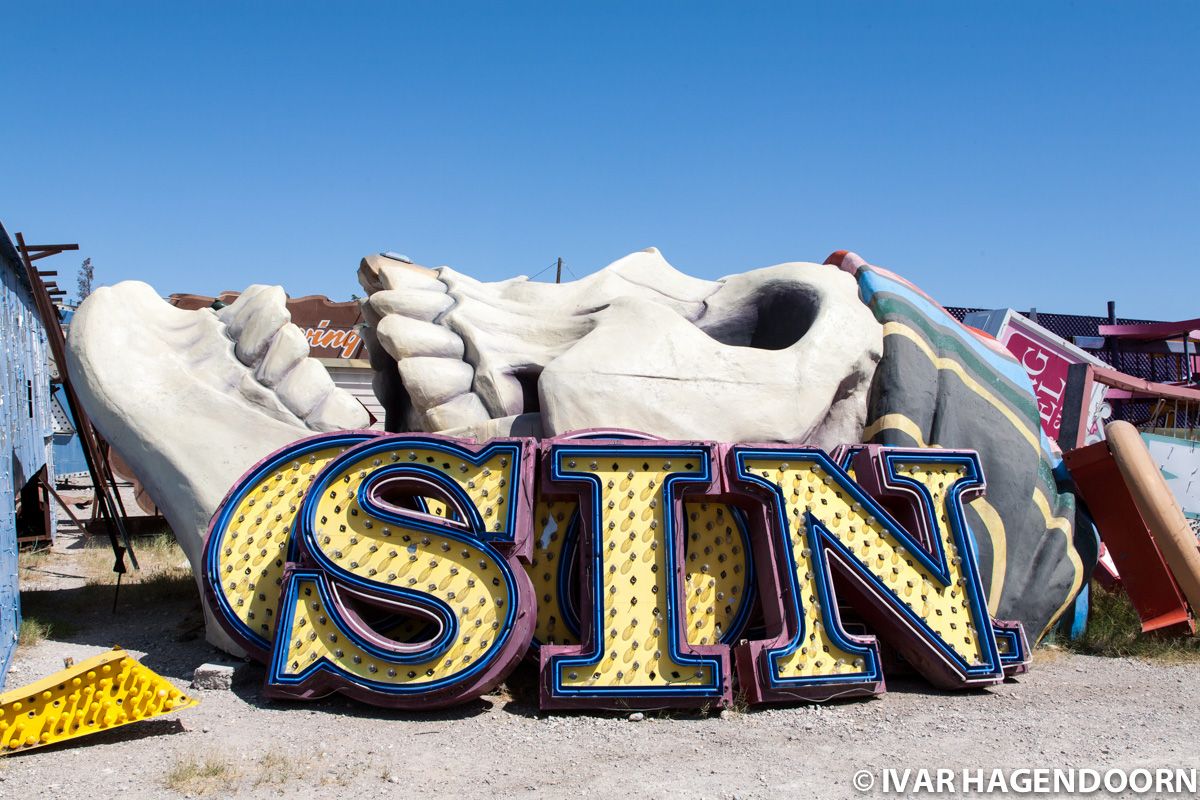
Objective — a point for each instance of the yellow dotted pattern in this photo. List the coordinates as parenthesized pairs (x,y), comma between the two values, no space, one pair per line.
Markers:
(255,542)
(551,519)
(633,570)
(807,487)
(462,575)
(103,692)
(950,616)
(715,571)
(313,636)
(487,483)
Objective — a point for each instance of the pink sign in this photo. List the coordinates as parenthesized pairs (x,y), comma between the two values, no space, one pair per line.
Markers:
(1047,367)
(1046,358)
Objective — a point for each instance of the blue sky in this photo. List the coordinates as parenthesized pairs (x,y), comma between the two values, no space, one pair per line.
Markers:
(996,154)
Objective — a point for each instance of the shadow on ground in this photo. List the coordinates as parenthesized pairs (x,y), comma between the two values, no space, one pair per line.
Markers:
(160,617)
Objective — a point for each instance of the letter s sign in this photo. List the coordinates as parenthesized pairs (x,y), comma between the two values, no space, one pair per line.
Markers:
(376,598)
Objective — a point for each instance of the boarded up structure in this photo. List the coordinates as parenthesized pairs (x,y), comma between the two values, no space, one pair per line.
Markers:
(26,428)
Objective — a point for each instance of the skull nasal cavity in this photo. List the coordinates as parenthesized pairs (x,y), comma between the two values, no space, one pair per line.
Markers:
(528,379)
(785,313)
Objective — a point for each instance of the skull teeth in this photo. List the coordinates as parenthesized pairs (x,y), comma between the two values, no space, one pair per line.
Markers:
(192,399)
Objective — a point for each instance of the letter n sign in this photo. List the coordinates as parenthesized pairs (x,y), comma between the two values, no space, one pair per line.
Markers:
(893,547)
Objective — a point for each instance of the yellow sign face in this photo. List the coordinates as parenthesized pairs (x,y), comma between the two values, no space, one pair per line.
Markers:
(256,536)
(392,574)
(920,577)
(470,593)
(634,646)
(552,569)
(718,572)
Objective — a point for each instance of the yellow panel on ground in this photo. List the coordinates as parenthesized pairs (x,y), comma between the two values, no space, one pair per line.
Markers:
(106,691)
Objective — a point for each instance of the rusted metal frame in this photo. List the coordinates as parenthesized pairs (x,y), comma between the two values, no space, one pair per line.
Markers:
(63,505)
(102,480)
(36,251)
(112,512)
(112,479)
(1145,576)
(1139,386)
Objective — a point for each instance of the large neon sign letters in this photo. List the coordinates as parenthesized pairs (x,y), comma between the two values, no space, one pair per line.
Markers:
(416,571)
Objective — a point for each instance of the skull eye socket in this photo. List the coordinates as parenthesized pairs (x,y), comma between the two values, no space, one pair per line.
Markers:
(776,316)
(785,313)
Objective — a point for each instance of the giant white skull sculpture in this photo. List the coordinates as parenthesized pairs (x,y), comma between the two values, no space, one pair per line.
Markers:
(784,353)
(192,399)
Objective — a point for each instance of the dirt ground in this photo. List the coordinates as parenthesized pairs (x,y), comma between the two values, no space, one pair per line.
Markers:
(1069,710)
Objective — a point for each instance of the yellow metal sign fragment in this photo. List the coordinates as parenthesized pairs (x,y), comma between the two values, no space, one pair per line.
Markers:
(106,691)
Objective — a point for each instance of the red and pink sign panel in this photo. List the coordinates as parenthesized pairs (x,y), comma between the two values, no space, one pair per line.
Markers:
(1044,356)
(1047,367)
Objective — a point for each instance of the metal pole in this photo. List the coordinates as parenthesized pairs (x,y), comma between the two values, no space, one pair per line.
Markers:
(1112,340)
(558,271)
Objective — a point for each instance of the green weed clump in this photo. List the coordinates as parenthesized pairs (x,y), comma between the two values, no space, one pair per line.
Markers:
(1114,630)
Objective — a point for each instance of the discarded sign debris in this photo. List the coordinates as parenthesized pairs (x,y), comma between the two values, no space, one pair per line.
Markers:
(99,693)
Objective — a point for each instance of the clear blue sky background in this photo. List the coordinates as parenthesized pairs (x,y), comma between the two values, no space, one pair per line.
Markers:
(996,154)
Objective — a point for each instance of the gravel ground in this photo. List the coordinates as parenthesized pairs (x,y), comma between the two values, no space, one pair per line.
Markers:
(1068,710)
